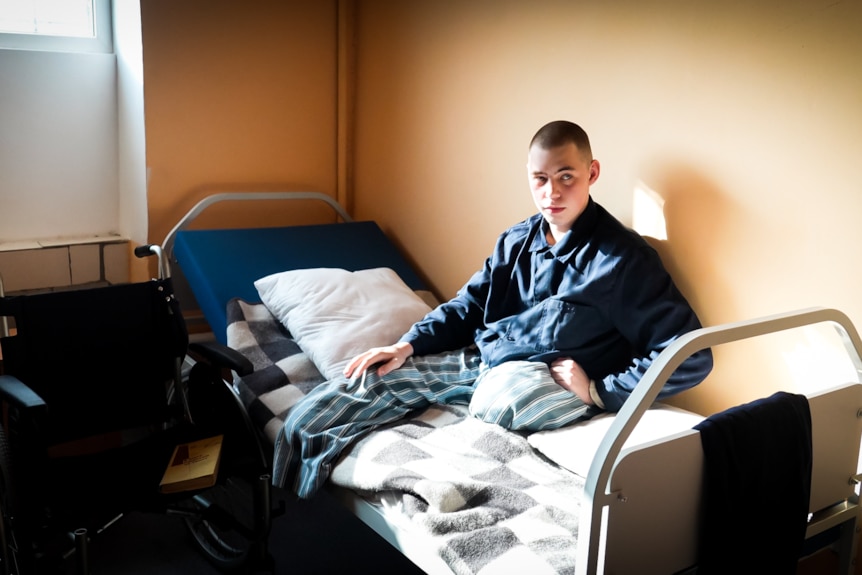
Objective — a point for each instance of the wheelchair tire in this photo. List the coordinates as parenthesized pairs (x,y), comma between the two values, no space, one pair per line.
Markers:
(9,560)
(225,545)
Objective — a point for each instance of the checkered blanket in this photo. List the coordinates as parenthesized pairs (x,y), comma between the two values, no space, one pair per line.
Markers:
(283,373)
(488,502)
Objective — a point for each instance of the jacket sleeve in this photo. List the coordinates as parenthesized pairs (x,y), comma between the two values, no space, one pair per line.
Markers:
(453,324)
(650,312)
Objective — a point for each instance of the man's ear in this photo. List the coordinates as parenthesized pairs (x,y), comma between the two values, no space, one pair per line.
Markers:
(595,170)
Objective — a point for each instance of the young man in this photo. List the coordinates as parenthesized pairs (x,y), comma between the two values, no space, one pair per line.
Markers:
(568,312)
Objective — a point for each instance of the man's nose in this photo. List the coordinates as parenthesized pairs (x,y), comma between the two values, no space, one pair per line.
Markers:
(553,191)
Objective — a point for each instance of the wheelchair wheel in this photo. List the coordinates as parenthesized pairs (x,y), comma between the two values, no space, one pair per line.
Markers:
(222,523)
(8,545)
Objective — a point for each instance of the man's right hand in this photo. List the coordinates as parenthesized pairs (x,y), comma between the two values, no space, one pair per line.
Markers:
(571,376)
(390,356)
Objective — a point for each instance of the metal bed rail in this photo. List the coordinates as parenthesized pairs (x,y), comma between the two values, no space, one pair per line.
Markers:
(597,494)
(192,214)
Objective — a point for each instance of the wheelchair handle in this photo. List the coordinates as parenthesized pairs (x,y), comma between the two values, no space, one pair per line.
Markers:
(4,321)
(148,250)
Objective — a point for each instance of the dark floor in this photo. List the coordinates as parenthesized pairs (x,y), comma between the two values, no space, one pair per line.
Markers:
(317,537)
(313,537)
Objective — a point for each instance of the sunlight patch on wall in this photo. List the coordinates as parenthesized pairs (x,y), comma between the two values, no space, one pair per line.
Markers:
(820,361)
(648,212)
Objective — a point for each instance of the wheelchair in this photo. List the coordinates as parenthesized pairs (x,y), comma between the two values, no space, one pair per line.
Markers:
(97,386)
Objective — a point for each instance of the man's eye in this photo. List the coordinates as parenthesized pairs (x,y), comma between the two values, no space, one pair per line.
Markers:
(566,177)
(540,180)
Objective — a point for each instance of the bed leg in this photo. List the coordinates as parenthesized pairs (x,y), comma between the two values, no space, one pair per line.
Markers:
(847,543)
(262,561)
(82,551)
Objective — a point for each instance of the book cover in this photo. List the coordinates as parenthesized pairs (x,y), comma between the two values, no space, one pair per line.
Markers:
(193,465)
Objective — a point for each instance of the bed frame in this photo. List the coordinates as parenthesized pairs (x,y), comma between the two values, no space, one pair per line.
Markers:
(617,509)
(626,487)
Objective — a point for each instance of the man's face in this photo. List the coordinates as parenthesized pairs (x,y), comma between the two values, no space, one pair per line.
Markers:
(560,180)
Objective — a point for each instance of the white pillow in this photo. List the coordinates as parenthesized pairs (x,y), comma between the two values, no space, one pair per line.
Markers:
(334,314)
(574,446)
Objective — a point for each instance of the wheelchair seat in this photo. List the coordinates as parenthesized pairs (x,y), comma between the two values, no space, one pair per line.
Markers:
(94,395)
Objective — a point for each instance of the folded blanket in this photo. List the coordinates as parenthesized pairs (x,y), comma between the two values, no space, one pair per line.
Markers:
(757,461)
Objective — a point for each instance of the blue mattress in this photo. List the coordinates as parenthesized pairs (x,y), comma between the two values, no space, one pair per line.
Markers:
(220,265)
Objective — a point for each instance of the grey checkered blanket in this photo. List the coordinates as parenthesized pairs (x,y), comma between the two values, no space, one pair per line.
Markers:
(488,502)
(283,373)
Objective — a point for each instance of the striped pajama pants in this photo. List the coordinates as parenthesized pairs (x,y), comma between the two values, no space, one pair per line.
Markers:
(516,395)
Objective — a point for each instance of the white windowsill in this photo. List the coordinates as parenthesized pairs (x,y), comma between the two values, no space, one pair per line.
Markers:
(60,242)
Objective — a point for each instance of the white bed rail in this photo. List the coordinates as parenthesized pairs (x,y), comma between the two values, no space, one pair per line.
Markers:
(597,494)
(192,214)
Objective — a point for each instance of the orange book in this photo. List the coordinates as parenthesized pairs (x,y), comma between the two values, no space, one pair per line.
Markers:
(193,465)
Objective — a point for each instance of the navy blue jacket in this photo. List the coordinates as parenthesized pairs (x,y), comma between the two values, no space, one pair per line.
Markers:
(600,296)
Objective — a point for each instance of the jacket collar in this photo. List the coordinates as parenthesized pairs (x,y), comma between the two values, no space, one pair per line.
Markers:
(576,237)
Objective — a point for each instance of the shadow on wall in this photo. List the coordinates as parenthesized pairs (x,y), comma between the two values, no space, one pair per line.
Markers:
(698,219)
(705,231)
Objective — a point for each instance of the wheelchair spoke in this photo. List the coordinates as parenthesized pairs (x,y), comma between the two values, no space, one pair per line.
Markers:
(222,524)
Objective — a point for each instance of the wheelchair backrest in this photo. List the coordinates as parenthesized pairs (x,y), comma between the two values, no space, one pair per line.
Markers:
(103,359)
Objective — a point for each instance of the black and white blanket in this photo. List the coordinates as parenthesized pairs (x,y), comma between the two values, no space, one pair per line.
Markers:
(283,373)
(488,502)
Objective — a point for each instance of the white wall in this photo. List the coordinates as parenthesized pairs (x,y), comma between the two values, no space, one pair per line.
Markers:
(58,145)
(131,137)
(73,160)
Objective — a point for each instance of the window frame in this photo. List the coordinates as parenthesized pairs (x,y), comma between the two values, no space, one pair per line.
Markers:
(102,43)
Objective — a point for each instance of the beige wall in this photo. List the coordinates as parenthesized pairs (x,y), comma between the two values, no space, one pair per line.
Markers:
(745,117)
(239,96)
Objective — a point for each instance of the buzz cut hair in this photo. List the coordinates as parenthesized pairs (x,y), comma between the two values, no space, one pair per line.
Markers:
(561,132)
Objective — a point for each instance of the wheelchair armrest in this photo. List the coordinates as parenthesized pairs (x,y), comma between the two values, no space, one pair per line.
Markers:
(219,355)
(14,391)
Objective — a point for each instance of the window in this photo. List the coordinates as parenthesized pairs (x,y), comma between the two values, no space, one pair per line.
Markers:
(56,25)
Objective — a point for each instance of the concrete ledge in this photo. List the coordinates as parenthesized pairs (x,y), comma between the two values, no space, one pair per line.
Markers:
(64,263)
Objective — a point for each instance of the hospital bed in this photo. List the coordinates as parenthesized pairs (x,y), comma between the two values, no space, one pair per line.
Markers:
(632,492)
